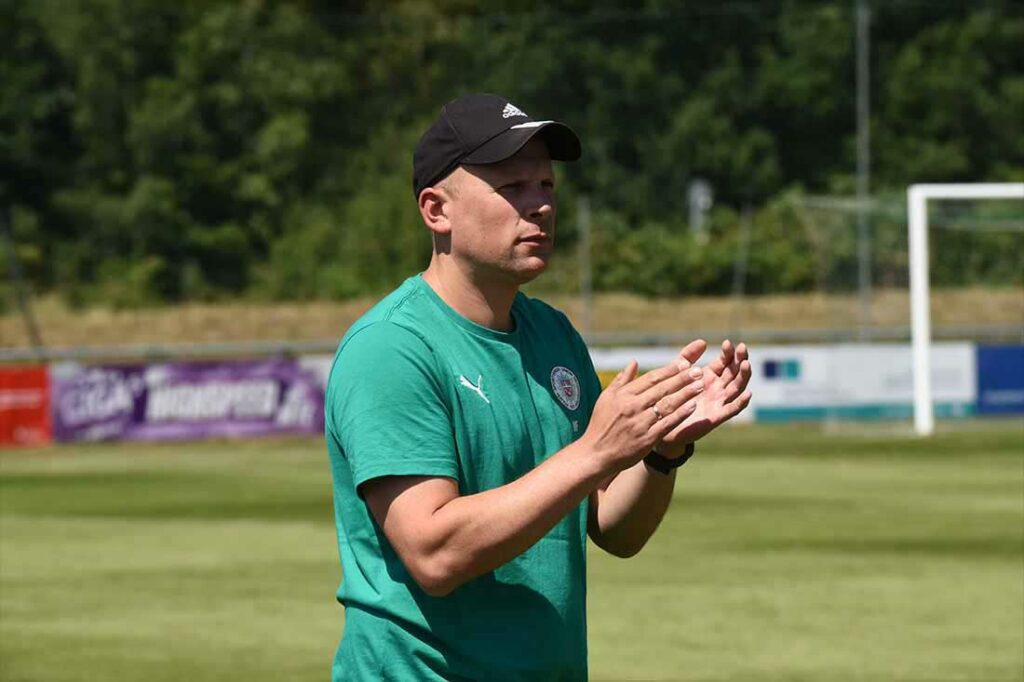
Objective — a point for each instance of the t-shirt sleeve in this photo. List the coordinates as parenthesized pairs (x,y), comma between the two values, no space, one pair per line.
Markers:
(386,402)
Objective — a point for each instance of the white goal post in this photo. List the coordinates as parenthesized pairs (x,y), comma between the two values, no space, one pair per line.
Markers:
(920,317)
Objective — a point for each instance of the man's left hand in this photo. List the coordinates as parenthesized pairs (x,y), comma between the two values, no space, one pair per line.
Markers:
(724,396)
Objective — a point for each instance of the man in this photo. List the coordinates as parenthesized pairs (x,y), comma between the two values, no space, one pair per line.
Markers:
(472,448)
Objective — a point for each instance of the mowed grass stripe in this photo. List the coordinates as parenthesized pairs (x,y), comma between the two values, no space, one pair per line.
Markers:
(787,555)
(164,495)
(778,563)
(143,599)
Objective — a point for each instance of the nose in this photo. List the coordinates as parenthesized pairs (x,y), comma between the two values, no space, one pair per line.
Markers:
(541,203)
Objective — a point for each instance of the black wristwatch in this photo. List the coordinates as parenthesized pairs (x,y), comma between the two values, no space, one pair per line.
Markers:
(664,465)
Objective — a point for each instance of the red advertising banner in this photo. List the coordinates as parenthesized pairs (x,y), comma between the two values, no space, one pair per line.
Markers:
(25,406)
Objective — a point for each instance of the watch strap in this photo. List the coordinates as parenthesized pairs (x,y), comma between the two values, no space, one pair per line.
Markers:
(664,465)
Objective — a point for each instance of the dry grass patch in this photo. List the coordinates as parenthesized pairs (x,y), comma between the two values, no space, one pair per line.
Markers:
(627,312)
(323,320)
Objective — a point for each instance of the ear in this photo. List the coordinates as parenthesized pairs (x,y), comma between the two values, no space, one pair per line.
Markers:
(435,203)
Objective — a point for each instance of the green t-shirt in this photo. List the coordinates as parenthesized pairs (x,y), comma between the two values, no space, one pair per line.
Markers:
(417,389)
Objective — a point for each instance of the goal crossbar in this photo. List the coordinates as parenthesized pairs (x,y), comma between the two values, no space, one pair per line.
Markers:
(920,316)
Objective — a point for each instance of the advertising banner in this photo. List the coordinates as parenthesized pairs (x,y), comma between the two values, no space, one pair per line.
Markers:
(24,406)
(837,381)
(179,400)
(858,381)
(1000,379)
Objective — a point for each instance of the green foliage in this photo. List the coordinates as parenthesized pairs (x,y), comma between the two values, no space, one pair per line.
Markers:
(159,151)
(950,81)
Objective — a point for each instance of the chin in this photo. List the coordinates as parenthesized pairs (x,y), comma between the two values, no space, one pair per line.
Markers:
(531,271)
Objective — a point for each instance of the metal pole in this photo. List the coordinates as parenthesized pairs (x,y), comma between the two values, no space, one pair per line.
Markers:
(920,315)
(863,164)
(586,293)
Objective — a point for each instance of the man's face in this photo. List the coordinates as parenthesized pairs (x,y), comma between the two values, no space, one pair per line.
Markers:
(503,216)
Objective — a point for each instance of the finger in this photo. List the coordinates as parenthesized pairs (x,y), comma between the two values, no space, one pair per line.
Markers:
(685,424)
(733,369)
(735,407)
(746,370)
(692,351)
(627,374)
(741,355)
(670,385)
(724,358)
(655,376)
(673,422)
(738,382)
(730,392)
(730,372)
(674,401)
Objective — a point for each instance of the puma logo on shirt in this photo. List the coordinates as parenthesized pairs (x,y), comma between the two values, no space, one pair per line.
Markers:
(478,387)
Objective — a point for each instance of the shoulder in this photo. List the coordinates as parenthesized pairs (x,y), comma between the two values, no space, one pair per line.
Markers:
(390,337)
(383,364)
(382,333)
(402,319)
(403,308)
(543,315)
(380,347)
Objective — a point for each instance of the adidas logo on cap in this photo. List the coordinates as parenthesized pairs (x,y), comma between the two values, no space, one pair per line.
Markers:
(511,110)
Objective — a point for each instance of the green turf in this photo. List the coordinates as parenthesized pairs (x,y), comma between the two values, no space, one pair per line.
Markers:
(787,555)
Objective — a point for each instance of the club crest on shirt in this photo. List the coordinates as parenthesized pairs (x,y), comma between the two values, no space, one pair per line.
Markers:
(566,387)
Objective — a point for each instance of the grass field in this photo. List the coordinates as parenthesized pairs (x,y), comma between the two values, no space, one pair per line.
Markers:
(787,555)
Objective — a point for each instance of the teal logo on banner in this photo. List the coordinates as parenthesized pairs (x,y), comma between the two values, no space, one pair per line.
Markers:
(782,370)
(1000,379)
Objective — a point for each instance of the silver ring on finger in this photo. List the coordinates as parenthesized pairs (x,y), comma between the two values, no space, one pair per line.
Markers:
(657,412)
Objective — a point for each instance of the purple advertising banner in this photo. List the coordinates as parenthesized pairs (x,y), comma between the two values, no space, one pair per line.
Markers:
(173,401)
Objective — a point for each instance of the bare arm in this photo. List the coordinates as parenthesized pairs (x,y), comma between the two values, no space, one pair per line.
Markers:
(627,508)
(445,539)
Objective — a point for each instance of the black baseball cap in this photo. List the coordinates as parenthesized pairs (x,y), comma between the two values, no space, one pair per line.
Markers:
(482,129)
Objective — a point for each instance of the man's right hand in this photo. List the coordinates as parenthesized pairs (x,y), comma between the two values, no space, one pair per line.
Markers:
(634,413)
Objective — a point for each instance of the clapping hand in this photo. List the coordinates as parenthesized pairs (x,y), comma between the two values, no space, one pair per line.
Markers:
(724,395)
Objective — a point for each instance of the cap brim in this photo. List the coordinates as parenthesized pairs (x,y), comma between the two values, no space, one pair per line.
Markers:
(562,143)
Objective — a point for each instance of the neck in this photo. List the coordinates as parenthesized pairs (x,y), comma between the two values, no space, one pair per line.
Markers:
(487,303)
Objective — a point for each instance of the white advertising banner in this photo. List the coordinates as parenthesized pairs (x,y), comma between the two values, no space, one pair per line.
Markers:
(859,381)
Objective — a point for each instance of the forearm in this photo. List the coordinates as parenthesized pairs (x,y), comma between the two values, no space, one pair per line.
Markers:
(629,509)
(470,535)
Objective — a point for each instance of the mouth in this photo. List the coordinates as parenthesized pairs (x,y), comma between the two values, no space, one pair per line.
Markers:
(538,238)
